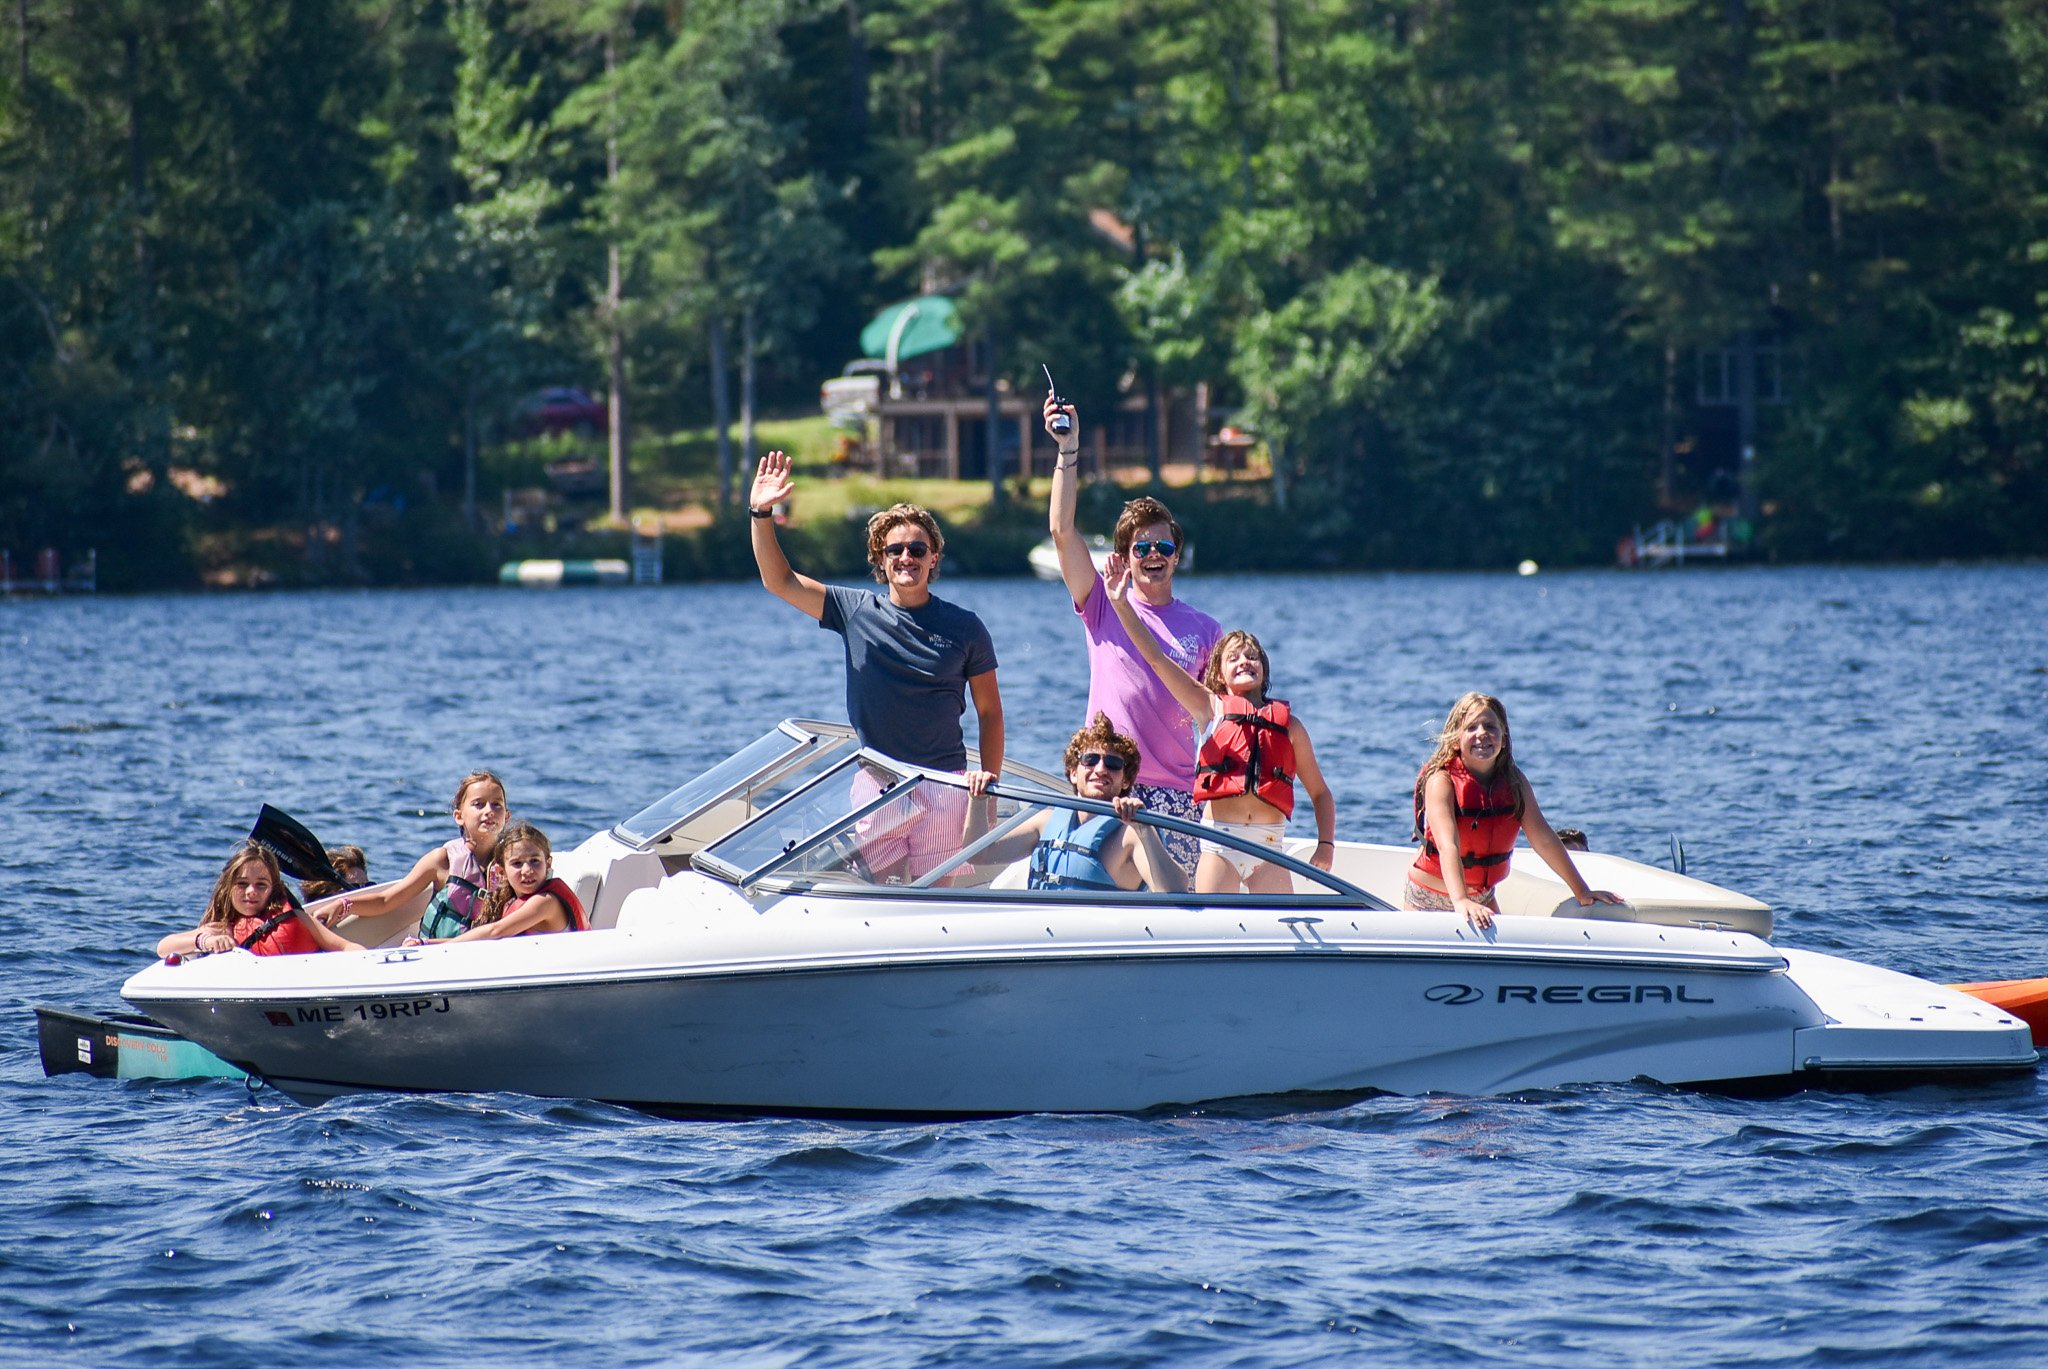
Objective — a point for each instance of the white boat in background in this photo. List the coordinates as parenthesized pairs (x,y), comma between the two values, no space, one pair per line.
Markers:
(1045,558)
(758,948)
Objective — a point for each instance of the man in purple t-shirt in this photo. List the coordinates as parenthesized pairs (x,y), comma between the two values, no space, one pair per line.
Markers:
(1120,684)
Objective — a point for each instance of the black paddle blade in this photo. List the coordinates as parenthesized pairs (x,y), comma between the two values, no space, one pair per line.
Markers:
(299,853)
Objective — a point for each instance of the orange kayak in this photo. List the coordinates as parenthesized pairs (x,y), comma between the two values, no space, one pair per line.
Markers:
(2026,999)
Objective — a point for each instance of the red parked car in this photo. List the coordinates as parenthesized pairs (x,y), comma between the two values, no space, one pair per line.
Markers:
(562,409)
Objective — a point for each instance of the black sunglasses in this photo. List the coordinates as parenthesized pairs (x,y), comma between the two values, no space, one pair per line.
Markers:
(1164,547)
(1108,760)
(917,549)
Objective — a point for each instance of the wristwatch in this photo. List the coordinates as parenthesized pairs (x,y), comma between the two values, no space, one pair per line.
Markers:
(753,512)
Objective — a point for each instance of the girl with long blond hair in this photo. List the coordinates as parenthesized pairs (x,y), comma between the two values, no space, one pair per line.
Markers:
(1471,799)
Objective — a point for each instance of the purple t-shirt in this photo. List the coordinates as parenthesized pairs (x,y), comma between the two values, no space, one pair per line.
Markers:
(1123,686)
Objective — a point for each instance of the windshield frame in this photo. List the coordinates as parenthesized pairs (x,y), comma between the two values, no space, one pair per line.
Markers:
(805,738)
(763,878)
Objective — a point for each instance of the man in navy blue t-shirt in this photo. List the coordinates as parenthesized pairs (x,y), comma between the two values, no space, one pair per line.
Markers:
(911,658)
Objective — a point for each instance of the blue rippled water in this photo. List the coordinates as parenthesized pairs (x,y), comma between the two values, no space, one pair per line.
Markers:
(1865,749)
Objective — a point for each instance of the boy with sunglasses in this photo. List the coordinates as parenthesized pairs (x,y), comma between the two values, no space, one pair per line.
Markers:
(912,659)
(1120,684)
(1070,849)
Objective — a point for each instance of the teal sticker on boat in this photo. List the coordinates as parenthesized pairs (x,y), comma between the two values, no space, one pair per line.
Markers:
(155,1057)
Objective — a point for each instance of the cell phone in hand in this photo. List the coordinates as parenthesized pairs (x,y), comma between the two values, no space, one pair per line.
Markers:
(1061,424)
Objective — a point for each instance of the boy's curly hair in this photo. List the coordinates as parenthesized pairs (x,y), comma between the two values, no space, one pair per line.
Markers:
(1100,736)
(883,523)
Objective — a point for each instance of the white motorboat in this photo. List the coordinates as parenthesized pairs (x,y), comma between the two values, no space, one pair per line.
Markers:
(763,943)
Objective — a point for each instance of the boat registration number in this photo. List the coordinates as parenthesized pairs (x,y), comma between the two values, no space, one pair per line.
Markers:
(401,1009)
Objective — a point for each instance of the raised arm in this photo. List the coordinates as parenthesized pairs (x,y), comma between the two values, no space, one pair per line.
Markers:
(1077,568)
(1311,776)
(1187,691)
(1544,842)
(772,484)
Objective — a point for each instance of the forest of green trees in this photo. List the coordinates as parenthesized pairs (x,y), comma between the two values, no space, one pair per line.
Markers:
(1462,265)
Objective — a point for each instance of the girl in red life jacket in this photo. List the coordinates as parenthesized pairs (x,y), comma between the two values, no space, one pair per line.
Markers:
(525,897)
(1250,756)
(251,908)
(1470,800)
(457,870)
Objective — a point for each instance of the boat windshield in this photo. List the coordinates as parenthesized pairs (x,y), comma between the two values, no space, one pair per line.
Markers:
(753,779)
(735,789)
(866,826)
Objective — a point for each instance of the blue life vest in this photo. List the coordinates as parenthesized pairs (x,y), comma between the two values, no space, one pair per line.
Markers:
(1069,856)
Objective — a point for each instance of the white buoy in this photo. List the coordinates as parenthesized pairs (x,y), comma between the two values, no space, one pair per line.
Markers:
(1526,568)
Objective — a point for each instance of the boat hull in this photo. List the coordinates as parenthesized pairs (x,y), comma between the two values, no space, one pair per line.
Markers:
(1108,1033)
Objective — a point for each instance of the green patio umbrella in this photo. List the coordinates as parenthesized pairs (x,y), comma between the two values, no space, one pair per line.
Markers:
(935,326)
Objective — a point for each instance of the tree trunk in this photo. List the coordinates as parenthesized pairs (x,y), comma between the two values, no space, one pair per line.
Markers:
(468,459)
(1667,458)
(154,437)
(856,78)
(995,426)
(721,412)
(615,337)
(747,389)
(1745,418)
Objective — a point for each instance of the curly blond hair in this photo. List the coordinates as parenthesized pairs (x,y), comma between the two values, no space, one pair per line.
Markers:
(891,518)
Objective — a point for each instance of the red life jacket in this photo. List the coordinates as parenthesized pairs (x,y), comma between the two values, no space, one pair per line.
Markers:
(1248,752)
(1487,825)
(570,904)
(289,937)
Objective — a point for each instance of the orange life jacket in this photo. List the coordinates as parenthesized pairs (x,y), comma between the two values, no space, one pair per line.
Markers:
(1248,751)
(1487,825)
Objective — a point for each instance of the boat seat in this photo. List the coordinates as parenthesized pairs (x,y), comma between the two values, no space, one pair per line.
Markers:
(1015,875)
(587,886)
(1532,890)
(610,887)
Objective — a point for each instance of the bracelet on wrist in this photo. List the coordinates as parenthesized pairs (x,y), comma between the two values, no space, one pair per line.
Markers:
(753,512)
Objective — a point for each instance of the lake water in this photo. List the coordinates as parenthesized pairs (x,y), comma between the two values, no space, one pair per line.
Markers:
(1865,749)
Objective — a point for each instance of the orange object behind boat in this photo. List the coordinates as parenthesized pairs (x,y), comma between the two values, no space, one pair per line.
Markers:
(2026,999)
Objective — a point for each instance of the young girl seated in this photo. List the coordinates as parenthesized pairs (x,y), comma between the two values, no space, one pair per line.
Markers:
(1251,752)
(251,908)
(525,897)
(1472,798)
(350,863)
(1075,850)
(457,870)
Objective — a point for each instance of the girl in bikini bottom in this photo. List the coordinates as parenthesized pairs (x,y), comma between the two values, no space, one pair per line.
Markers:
(1271,835)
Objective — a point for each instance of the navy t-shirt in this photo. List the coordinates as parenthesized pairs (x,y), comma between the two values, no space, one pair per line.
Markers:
(907,671)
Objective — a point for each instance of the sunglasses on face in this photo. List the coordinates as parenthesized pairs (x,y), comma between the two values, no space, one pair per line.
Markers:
(1108,760)
(914,549)
(1165,547)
